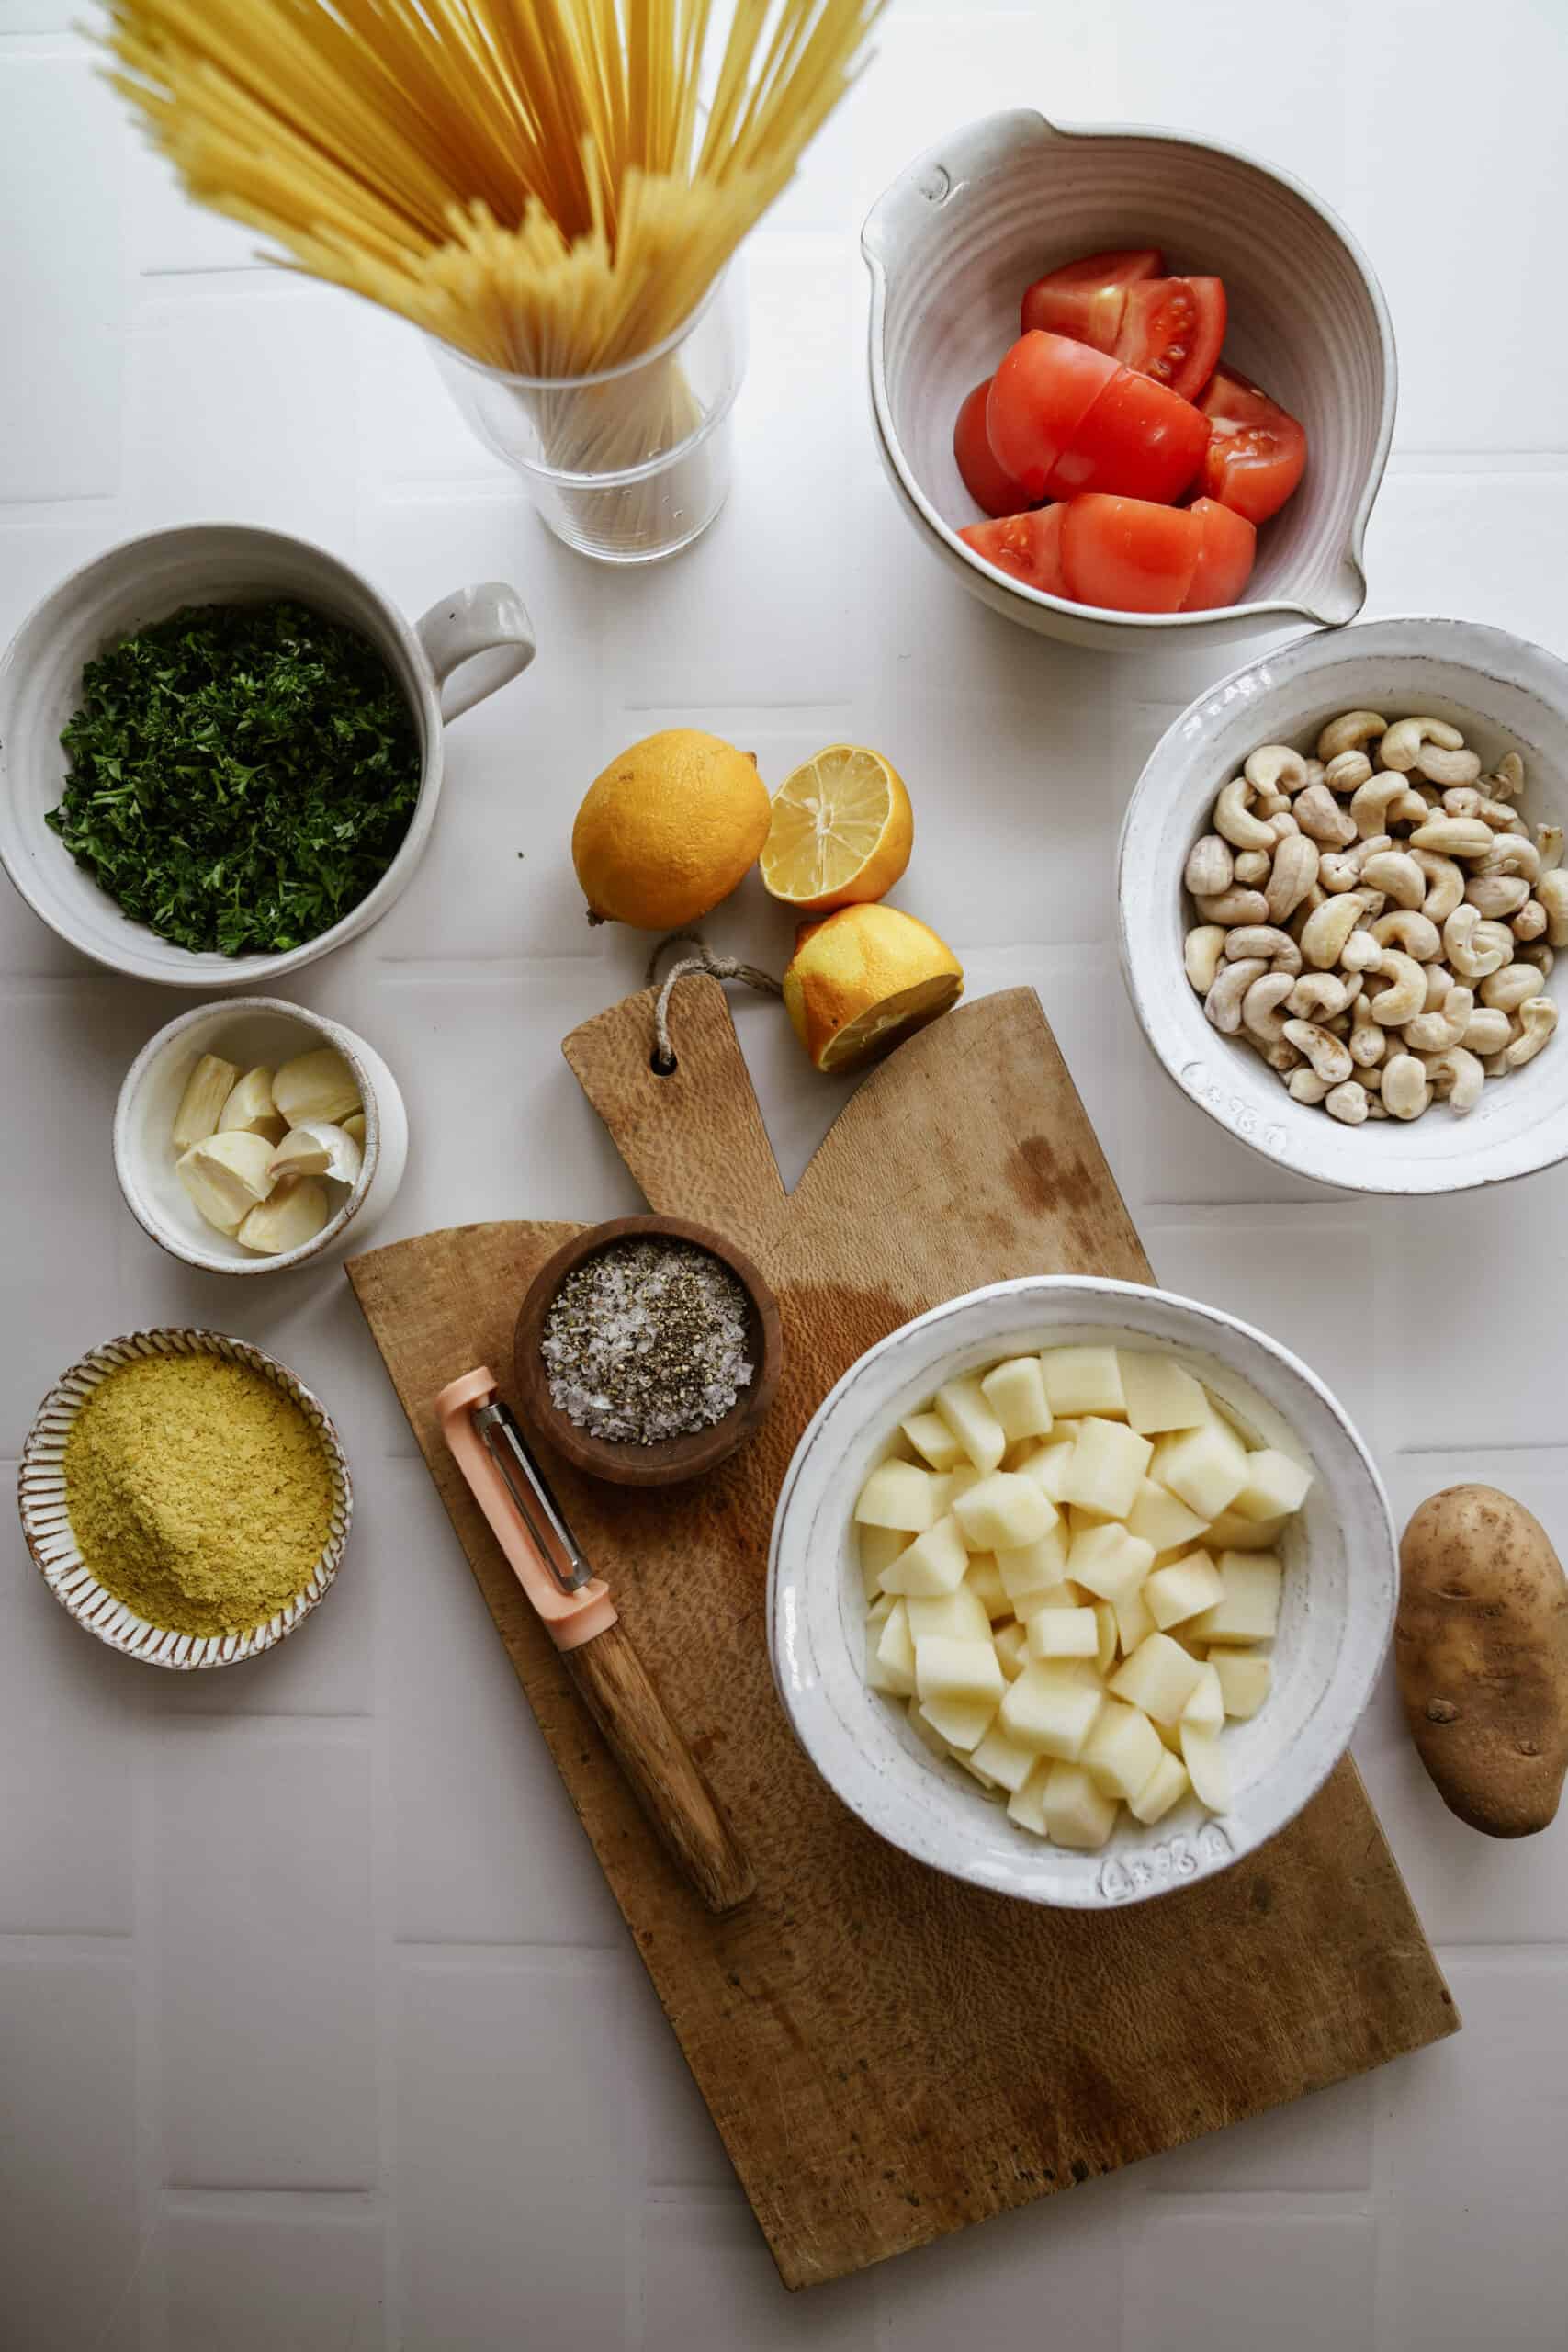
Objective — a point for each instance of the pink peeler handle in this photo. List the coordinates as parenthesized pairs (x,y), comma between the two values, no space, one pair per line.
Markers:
(570,1617)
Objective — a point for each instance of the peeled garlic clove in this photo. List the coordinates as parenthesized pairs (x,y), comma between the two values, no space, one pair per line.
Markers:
(250,1109)
(319,1085)
(292,1216)
(201,1106)
(354,1126)
(316,1147)
(226,1175)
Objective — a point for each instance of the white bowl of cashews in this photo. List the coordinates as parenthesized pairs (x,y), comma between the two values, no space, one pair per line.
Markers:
(1341,896)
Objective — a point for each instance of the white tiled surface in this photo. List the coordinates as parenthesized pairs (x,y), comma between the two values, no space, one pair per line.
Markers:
(319,2027)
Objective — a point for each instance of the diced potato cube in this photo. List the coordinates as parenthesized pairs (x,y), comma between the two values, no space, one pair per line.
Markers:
(983,1578)
(1122,1751)
(1244,1681)
(926,1732)
(945,1668)
(1169,1736)
(1206,1768)
(1010,1644)
(1015,1392)
(1083,1380)
(1063,1633)
(1160,1393)
(1004,1512)
(1159,1678)
(1034,1567)
(1048,1464)
(1133,1624)
(932,1440)
(1107,1463)
(934,1563)
(1205,1467)
(1027,1804)
(1248,1608)
(1231,1533)
(1275,1485)
(1205,1711)
(1181,1591)
(900,1495)
(1108,1561)
(1105,1630)
(977,1772)
(879,1548)
(1065,1595)
(1167,1784)
(891,1665)
(1004,1759)
(950,1616)
(1051,1710)
(1162,1519)
(962,1723)
(1077,1814)
(881,1609)
(963,1405)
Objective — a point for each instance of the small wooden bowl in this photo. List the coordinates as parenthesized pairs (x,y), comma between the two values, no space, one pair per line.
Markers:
(668,1460)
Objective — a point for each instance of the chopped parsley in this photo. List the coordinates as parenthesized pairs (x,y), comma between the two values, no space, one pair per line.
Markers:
(240,776)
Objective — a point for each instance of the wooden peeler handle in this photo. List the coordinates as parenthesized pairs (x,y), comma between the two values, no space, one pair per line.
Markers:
(664,1777)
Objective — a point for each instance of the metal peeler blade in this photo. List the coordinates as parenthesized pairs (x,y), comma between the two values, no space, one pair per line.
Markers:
(526,1483)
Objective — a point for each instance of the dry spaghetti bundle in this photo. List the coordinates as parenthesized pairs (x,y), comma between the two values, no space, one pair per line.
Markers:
(535,182)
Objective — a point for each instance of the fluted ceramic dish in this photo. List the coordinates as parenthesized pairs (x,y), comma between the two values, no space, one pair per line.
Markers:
(46,1522)
(954,242)
(1337,1613)
(1506,695)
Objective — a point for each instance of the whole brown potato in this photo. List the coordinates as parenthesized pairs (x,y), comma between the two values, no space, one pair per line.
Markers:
(1481,1647)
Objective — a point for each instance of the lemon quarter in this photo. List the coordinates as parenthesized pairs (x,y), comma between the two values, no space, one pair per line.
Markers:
(841,832)
(864,978)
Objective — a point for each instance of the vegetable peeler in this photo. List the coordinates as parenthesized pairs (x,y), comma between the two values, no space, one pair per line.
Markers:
(579,1617)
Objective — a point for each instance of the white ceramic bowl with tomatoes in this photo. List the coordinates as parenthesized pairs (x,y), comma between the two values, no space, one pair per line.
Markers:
(1195,422)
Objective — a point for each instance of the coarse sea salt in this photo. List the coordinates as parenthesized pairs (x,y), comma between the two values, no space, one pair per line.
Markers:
(646,1341)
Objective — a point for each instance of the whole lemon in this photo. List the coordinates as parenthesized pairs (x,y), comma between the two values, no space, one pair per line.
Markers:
(668,829)
(864,979)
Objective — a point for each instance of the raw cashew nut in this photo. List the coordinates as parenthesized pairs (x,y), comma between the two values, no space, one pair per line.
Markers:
(1261,939)
(1324,995)
(1359,953)
(1384,800)
(1454,836)
(1230,907)
(1441,766)
(1538,1018)
(1512,854)
(1457,1078)
(1445,884)
(1475,948)
(1368,1041)
(1413,931)
(1252,868)
(1347,772)
(1499,816)
(1340,870)
(1530,920)
(1498,895)
(1435,1033)
(1294,872)
(1508,777)
(1260,1013)
(1401,742)
(1463,801)
(1396,872)
(1531,951)
(1224,1002)
(1506,989)
(1552,892)
(1405,1089)
(1274,767)
(1319,814)
(1487,1031)
(1404,998)
(1326,928)
(1200,953)
(1235,820)
(1281,1057)
(1329,1058)
(1440,986)
(1350,1103)
(1348,732)
(1305,1086)
(1548,840)
(1210,866)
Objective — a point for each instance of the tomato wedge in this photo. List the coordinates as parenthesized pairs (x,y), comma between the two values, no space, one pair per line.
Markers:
(1137,441)
(1226,547)
(1172,329)
(989,483)
(1026,547)
(1257,452)
(1038,396)
(1085,299)
(1129,555)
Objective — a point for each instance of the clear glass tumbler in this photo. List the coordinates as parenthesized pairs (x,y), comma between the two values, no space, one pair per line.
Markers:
(631,465)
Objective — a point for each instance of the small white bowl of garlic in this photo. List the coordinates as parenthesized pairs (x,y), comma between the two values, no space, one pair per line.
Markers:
(1405,1043)
(1172,1485)
(251,1136)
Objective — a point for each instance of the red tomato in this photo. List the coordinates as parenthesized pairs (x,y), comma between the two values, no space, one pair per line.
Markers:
(984,479)
(1137,441)
(1040,395)
(1258,453)
(1172,329)
(1225,551)
(1026,547)
(1085,299)
(1129,555)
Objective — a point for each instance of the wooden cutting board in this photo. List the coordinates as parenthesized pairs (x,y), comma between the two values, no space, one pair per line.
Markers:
(888,2054)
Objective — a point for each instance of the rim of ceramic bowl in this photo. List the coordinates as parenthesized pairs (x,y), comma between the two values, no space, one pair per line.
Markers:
(888,1803)
(1298,1137)
(191,1253)
(1278,609)
(415,679)
(40,1496)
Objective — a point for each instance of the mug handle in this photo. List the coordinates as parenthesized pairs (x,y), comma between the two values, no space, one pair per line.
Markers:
(488,625)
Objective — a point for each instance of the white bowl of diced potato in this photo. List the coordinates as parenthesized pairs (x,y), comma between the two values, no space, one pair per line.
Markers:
(1077,1588)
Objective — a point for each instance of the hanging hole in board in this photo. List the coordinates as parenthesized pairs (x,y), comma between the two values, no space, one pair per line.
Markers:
(663,1065)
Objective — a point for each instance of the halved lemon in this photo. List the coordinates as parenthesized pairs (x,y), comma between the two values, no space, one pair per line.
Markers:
(841,832)
(864,979)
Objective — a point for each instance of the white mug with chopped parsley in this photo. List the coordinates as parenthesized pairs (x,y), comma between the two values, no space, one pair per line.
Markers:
(221,749)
